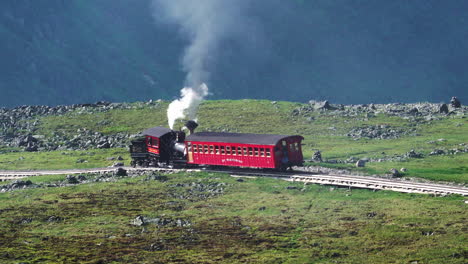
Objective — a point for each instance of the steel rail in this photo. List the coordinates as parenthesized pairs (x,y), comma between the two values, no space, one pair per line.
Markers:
(306,177)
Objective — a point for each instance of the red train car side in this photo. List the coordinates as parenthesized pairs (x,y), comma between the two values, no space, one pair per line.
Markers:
(244,150)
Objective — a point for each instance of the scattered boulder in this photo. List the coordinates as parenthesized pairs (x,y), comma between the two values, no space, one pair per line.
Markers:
(317,157)
(81,178)
(26,220)
(455,103)
(360,163)
(121,172)
(403,170)
(394,172)
(72,179)
(414,154)
(54,218)
(437,152)
(443,109)
(16,184)
(263,208)
(161,222)
(138,221)
(413,111)
(324,105)
(371,214)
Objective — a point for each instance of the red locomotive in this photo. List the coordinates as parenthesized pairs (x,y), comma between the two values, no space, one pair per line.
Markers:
(161,145)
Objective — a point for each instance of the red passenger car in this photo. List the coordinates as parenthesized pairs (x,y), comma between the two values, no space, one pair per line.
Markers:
(244,150)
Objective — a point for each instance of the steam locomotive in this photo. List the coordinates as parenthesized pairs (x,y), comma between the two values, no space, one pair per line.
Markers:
(162,146)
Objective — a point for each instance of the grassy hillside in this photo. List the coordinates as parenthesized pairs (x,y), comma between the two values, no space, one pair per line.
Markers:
(214,218)
(326,131)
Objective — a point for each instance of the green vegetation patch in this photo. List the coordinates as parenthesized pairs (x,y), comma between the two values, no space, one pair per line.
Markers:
(55,160)
(214,218)
(324,130)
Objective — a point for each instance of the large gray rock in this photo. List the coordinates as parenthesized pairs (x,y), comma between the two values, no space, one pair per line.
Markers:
(455,103)
(317,157)
(443,109)
(394,172)
(413,154)
(360,163)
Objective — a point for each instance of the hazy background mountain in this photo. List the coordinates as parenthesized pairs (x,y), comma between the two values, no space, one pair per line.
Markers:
(348,51)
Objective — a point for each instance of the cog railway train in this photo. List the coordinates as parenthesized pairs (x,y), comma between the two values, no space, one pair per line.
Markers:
(161,146)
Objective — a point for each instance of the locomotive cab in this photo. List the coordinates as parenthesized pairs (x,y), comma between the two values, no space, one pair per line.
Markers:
(159,146)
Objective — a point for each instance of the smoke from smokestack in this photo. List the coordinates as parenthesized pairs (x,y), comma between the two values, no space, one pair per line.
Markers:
(186,106)
(205,23)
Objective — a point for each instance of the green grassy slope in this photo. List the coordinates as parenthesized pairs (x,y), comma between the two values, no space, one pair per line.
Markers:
(322,130)
(254,221)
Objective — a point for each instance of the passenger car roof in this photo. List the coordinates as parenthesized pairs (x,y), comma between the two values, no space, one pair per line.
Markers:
(156,131)
(242,138)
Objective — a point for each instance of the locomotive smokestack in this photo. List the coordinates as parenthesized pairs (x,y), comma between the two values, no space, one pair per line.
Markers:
(191,125)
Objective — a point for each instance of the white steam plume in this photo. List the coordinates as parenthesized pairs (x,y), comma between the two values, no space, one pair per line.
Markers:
(187,105)
(205,23)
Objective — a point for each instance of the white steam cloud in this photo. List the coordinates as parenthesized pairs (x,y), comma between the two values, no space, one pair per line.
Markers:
(205,23)
(187,105)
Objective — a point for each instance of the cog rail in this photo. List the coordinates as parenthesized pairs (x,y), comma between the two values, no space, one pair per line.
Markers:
(352,181)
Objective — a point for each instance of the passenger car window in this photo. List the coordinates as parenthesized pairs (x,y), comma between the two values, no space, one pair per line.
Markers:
(268,154)
(250,152)
(217,149)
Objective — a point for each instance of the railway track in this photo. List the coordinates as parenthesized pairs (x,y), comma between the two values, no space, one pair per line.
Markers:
(352,181)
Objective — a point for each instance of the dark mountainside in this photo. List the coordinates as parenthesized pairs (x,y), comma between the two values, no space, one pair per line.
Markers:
(63,52)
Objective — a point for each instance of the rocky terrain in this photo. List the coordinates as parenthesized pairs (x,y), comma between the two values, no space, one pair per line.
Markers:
(375,136)
(18,127)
